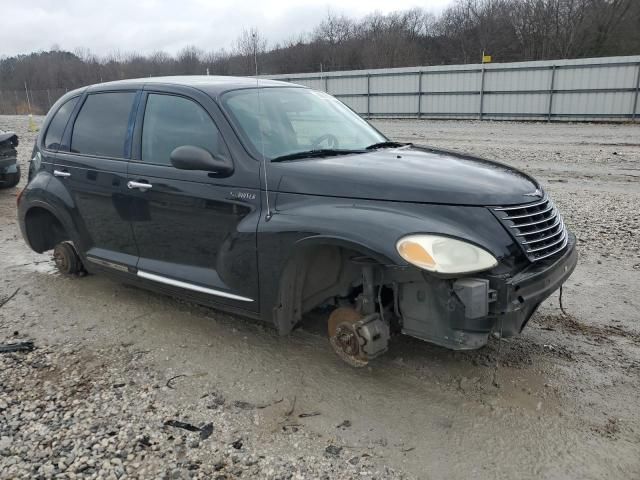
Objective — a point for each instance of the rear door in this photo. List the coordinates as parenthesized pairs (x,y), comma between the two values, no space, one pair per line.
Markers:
(94,170)
(194,231)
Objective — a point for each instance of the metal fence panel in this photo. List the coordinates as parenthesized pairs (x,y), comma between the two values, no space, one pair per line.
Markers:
(564,90)
(347,85)
(515,80)
(515,104)
(449,105)
(452,81)
(394,84)
(402,105)
(589,89)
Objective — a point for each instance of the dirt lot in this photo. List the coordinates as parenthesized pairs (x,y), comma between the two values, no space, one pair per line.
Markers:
(561,401)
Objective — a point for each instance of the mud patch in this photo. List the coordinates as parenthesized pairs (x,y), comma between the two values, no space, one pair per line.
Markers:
(600,334)
(610,429)
(516,352)
(546,408)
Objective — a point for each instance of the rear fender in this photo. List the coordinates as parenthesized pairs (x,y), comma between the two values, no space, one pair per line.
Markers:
(47,192)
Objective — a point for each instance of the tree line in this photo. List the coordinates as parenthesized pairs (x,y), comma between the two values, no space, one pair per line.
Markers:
(509,30)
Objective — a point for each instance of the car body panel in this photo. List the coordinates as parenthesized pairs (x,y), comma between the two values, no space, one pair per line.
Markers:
(218,241)
(191,224)
(97,187)
(301,220)
(406,174)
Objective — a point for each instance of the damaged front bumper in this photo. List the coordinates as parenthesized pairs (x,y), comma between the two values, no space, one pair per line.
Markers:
(461,314)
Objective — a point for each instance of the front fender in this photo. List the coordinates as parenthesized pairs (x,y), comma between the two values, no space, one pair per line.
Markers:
(371,227)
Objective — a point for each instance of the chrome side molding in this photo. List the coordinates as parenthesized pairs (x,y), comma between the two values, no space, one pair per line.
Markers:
(106,263)
(190,286)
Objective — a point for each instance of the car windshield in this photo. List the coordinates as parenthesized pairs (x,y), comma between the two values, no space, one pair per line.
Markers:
(286,121)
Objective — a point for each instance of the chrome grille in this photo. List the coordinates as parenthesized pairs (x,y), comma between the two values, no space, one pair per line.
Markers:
(538,227)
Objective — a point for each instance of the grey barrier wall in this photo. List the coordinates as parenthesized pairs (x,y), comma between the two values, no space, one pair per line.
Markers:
(591,89)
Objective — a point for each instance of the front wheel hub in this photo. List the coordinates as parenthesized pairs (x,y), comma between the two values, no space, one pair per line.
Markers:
(344,338)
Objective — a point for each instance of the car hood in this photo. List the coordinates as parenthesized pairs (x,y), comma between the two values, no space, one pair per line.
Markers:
(407,174)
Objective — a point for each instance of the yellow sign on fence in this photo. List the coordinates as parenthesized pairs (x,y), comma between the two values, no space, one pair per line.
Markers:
(486,58)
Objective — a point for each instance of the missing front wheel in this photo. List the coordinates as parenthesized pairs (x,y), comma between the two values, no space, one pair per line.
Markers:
(356,338)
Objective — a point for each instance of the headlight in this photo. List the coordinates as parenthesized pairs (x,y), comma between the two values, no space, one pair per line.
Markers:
(444,254)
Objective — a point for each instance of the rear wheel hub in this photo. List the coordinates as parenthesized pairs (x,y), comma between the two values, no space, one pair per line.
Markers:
(66,259)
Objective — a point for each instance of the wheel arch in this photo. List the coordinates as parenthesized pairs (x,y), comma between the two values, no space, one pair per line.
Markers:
(316,267)
(46,197)
(342,242)
(44,228)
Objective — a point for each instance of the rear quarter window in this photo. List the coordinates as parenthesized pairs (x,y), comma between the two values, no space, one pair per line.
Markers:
(101,126)
(57,125)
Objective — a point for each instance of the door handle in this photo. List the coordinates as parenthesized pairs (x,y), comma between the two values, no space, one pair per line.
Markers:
(60,173)
(140,185)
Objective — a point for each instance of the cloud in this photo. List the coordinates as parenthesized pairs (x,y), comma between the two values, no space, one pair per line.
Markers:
(146,26)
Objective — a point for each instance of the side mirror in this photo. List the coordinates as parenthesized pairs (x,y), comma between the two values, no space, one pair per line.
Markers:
(189,157)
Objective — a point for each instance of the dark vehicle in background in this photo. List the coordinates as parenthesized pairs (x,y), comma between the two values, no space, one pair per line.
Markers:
(9,168)
(269,199)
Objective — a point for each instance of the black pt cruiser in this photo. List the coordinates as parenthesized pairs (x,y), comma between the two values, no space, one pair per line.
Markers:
(269,199)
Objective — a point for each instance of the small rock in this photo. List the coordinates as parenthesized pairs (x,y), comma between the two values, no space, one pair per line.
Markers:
(345,424)
(333,450)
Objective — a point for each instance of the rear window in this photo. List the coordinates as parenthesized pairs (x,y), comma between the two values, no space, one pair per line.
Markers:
(58,123)
(101,126)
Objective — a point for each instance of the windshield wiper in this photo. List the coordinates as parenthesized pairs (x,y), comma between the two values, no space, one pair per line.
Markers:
(320,152)
(375,146)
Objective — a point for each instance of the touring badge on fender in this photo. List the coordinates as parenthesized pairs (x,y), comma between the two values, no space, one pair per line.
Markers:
(243,195)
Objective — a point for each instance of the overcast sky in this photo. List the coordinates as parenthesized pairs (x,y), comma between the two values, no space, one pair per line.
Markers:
(105,26)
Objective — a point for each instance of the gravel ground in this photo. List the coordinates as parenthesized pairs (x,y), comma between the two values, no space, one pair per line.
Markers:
(115,368)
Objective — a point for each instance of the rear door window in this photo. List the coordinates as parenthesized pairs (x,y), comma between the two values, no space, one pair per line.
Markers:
(171,122)
(101,126)
(58,123)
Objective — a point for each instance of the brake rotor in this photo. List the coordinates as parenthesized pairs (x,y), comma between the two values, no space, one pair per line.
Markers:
(61,259)
(343,336)
(66,259)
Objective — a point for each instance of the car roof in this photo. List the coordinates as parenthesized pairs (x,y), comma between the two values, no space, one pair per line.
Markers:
(212,84)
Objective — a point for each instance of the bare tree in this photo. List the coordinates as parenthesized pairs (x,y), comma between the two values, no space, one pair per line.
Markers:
(249,45)
(510,30)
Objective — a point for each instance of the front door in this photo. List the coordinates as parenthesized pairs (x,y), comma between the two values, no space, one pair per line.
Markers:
(93,171)
(192,232)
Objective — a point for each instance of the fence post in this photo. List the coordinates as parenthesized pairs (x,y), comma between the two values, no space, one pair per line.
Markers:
(419,94)
(326,84)
(481,93)
(551,87)
(15,92)
(1,102)
(26,91)
(368,95)
(48,99)
(635,96)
